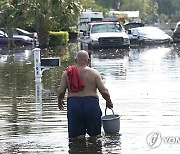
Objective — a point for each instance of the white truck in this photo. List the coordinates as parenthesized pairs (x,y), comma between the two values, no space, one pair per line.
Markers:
(103,35)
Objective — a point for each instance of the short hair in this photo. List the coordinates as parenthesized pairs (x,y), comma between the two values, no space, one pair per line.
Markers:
(82,54)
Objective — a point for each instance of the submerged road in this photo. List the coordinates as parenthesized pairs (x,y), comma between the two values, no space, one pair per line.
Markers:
(144,86)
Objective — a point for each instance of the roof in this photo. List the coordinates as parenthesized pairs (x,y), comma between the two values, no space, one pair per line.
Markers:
(129,14)
(99,23)
(91,15)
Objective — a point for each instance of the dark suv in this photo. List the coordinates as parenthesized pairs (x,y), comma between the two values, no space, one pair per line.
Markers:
(176,33)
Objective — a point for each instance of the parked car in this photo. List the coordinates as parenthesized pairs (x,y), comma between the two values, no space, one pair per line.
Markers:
(148,36)
(104,34)
(19,31)
(22,32)
(19,40)
(176,33)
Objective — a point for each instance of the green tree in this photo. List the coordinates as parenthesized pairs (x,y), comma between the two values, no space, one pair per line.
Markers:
(176,5)
(65,13)
(166,7)
(9,14)
(93,5)
(152,11)
(86,4)
(137,5)
(40,13)
(53,14)
(114,4)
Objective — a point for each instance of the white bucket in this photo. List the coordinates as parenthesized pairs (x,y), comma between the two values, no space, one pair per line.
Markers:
(111,123)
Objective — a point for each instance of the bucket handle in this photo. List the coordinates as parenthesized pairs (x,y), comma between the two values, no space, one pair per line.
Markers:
(111,110)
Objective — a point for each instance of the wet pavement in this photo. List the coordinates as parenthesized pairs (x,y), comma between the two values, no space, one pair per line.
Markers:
(144,86)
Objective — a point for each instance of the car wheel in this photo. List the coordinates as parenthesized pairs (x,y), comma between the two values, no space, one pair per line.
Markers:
(18,43)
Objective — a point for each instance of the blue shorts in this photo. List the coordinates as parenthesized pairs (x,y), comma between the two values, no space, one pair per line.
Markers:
(84,116)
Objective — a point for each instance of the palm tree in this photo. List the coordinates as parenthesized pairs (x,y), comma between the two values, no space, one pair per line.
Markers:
(7,14)
(44,14)
(53,14)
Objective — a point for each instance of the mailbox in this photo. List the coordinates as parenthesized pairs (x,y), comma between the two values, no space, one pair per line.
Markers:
(50,62)
(43,64)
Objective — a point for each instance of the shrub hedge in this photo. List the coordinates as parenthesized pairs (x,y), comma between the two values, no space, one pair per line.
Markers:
(58,38)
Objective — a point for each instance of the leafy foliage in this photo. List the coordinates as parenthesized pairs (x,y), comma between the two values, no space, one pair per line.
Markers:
(45,15)
(58,38)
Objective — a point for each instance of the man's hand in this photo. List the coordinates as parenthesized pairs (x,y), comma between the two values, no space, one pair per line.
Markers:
(61,104)
(109,104)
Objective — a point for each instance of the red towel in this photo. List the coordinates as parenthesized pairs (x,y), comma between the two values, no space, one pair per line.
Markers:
(76,83)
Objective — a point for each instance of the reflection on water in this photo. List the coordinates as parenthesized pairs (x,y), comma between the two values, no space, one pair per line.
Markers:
(104,144)
(88,145)
(144,86)
(111,63)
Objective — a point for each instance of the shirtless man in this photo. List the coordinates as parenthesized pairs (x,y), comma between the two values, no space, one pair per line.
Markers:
(83,110)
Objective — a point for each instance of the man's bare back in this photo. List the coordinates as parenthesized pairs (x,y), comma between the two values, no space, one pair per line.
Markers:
(91,78)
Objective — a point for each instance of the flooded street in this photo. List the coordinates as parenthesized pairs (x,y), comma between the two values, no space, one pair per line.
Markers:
(144,84)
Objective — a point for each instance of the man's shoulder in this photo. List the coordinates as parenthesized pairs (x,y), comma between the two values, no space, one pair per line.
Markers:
(92,70)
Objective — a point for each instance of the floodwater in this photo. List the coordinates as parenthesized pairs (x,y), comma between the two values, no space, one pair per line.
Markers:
(144,84)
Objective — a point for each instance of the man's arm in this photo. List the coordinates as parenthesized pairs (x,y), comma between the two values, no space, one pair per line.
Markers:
(104,91)
(62,91)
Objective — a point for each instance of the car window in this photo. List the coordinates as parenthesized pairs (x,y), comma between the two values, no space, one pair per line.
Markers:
(101,28)
(15,32)
(21,31)
(133,25)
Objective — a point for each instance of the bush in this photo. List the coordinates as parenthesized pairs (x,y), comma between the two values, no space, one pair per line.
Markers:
(73,33)
(73,30)
(58,38)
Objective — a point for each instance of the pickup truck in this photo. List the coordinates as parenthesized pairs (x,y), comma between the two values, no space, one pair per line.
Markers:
(103,35)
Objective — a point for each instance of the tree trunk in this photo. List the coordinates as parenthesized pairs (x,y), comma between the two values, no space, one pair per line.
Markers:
(10,38)
(43,33)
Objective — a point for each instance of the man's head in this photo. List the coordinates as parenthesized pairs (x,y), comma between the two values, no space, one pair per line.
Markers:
(82,58)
